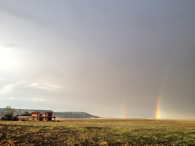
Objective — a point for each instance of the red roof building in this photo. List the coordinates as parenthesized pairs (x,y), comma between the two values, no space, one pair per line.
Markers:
(37,116)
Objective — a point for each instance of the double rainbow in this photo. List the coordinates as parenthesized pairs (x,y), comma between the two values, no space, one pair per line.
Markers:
(158,114)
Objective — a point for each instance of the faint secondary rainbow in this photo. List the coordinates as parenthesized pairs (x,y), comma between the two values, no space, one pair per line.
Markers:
(123,111)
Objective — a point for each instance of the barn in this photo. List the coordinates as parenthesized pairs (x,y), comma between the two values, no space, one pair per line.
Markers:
(37,116)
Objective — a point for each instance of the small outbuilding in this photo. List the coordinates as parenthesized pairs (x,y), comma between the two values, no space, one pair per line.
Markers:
(24,118)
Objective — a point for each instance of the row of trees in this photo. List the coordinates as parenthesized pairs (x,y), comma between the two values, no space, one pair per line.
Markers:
(9,113)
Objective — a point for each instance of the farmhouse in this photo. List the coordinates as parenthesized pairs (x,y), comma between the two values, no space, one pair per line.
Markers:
(37,116)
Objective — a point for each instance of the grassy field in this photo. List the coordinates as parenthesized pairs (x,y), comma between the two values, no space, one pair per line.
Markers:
(98,132)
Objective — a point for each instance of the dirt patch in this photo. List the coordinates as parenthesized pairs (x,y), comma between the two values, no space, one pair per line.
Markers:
(12,142)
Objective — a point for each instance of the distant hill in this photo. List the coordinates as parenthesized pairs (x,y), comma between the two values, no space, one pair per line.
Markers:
(74,115)
(57,114)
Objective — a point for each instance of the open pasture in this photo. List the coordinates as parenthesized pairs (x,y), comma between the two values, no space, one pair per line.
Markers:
(98,132)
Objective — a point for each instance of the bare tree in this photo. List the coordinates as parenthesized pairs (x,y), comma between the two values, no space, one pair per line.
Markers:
(9,112)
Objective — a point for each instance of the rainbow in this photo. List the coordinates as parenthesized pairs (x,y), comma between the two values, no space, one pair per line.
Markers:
(157,113)
(159,100)
(123,111)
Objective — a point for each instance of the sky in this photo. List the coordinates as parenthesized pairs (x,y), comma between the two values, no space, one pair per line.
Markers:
(111,58)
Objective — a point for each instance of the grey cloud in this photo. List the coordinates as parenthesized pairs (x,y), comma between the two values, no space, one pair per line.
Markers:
(99,55)
(9,45)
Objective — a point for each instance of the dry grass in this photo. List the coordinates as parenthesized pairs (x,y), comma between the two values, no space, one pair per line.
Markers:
(98,132)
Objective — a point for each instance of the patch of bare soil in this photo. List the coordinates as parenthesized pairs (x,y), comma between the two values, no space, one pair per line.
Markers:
(12,142)
(36,139)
